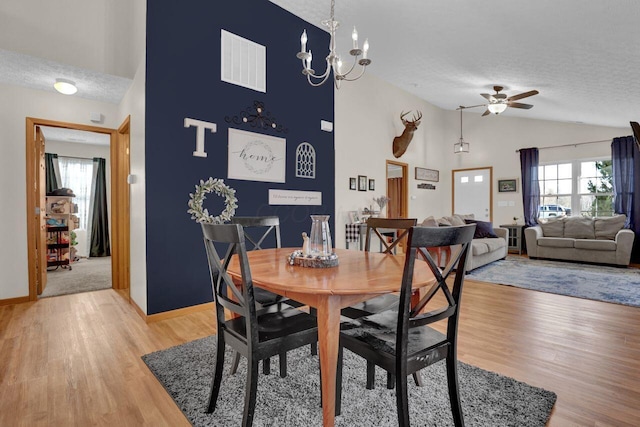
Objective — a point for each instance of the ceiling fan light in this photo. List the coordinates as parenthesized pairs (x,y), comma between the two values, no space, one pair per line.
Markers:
(497,107)
(66,87)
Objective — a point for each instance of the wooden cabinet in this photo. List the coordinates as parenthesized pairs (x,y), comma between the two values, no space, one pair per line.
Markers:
(515,237)
(60,223)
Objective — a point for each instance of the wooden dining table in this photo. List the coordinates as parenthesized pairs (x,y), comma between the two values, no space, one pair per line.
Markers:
(358,277)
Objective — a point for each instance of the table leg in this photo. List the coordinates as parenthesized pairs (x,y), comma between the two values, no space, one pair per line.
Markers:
(328,343)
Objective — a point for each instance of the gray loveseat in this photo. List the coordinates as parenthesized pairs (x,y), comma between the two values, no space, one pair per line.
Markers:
(595,240)
(484,249)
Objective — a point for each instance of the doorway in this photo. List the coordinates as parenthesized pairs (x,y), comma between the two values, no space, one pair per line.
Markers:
(397,189)
(36,202)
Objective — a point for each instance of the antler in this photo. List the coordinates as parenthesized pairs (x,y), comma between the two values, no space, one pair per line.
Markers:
(415,119)
(402,116)
(418,118)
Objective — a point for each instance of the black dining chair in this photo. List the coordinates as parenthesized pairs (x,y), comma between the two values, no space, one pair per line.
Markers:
(399,340)
(258,231)
(255,333)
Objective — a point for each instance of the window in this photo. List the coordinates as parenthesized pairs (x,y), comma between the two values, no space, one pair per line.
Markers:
(77,174)
(581,187)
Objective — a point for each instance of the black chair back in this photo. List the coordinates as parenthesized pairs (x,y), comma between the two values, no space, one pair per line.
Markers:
(394,224)
(254,230)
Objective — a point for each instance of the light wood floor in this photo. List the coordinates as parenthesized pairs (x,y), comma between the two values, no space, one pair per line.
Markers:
(75,360)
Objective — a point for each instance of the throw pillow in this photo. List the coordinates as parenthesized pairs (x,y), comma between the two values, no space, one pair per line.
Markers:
(607,228)
(465,216)
(456,220)
(444,221)
(484,229)
(552,227)
(429,222)
(577,227)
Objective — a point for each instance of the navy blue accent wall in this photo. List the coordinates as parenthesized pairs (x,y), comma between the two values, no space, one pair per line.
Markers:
(183,80)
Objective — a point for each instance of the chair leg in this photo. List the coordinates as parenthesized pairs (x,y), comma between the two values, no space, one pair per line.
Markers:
(217,376)
(454,391)
(418,379)
(266,366)
(402,400)
(235,363)
(371,375)
(391,381)
(250,392)
(339,383)
(282,358)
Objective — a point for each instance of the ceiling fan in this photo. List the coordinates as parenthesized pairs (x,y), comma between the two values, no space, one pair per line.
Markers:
(498,102)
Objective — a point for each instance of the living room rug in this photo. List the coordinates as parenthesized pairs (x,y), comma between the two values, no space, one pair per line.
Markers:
(618,285)
(488,399)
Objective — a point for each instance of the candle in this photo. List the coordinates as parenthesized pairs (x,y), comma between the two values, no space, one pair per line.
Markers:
(354,36)
(303,41)
(365,48)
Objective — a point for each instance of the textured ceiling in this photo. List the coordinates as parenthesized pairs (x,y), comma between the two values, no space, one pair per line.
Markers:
(39,73)
(582,56)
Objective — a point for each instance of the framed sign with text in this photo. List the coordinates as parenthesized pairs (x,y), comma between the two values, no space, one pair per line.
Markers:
(423,174)
(256,157)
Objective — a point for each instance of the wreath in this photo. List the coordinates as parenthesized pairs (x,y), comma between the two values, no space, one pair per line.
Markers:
(216,186)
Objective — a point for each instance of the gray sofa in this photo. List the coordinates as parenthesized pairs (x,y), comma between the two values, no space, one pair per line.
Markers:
(594,240)
(484,250)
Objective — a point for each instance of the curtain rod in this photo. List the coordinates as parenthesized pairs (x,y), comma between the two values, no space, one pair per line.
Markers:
(74,157)
(573,145)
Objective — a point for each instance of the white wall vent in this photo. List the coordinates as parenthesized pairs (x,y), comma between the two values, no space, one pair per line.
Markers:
(244,63)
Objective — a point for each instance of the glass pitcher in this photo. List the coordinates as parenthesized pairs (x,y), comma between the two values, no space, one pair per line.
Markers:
(320,239)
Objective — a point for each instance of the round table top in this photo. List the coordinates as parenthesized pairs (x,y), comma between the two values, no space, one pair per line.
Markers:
(359,272)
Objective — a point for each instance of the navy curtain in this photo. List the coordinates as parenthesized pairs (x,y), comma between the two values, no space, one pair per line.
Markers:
(622,157)
(99,222)
(51,172)
(530,187)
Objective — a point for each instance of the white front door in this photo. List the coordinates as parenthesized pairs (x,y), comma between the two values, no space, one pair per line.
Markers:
(472,192)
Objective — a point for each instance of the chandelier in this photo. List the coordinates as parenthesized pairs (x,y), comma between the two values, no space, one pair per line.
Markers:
(461,146)
(334,62)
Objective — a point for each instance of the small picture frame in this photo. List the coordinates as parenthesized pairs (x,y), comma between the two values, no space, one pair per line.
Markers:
(352,183)
(354,217)
(372,185)
(423,174)
(508,185)
(362,183)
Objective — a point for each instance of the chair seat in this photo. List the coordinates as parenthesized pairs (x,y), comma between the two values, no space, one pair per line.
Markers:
(274,324)
(378,331)
(265,297)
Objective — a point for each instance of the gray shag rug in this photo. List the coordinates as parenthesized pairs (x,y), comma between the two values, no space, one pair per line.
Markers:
(87,274)
(488,399)
(620,285)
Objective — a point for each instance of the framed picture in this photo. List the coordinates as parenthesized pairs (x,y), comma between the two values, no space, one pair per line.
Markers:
(354,217)
(256,157)
(507,185)
(423,174)
(372,185)
(352,183)
(362,183)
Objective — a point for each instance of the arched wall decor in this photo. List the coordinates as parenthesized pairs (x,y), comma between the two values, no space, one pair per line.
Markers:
(305,161)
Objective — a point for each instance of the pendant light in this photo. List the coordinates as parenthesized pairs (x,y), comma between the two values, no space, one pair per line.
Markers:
(461,146)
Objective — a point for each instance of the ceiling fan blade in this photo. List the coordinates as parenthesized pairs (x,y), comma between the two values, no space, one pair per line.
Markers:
(519,105)
(486,113)
(488,97)
(523,95)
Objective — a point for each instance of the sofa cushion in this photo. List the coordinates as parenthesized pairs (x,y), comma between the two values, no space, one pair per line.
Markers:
(596,245)
(606,228)
(556,242)
(577,227)
(429,222)
(484,229)
(552,227)
(483,246)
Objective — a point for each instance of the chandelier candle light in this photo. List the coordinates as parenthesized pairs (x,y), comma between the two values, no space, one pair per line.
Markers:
(334,63)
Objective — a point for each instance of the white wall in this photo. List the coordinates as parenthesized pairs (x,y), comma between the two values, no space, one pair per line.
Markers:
(367,118)
(494,139)
(17,104)
(134,104)
(98,35)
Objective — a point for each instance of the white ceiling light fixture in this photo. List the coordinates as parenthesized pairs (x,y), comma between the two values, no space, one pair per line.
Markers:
(461,146)
(497,107)
(334,63)
(66,87)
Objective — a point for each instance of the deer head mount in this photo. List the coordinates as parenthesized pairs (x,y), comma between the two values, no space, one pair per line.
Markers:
(401,143)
